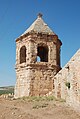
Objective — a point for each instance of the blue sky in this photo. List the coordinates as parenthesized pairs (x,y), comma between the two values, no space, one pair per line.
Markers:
(62,16)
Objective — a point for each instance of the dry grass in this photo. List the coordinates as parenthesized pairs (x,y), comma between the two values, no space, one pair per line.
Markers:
(36,108)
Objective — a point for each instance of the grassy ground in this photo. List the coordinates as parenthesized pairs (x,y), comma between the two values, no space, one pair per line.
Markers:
(36,108)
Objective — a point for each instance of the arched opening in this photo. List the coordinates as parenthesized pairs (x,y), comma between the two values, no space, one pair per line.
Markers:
(22,54)
(42,52)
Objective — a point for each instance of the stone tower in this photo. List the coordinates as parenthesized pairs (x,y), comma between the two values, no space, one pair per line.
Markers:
(37,60)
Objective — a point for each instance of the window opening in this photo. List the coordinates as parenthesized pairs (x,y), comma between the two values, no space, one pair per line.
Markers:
(22,54)
(42,53)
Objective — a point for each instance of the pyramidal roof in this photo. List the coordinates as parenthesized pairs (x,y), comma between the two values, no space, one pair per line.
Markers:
(39,26)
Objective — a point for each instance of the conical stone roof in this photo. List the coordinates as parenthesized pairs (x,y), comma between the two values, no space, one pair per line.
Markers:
(39,26)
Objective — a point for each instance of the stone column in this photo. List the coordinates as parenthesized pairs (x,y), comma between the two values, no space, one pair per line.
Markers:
(32,53)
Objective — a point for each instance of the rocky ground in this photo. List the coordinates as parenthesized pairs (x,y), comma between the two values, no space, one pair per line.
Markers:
(36,108)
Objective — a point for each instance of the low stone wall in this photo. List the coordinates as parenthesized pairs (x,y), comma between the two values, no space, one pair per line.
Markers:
(67,82)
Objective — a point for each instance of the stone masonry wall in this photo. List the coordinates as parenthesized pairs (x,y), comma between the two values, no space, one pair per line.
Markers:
(35,80)
(22,86)
(42,80)
(70,74)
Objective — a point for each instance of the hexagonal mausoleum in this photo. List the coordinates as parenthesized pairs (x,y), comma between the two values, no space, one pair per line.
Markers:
(37,60)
